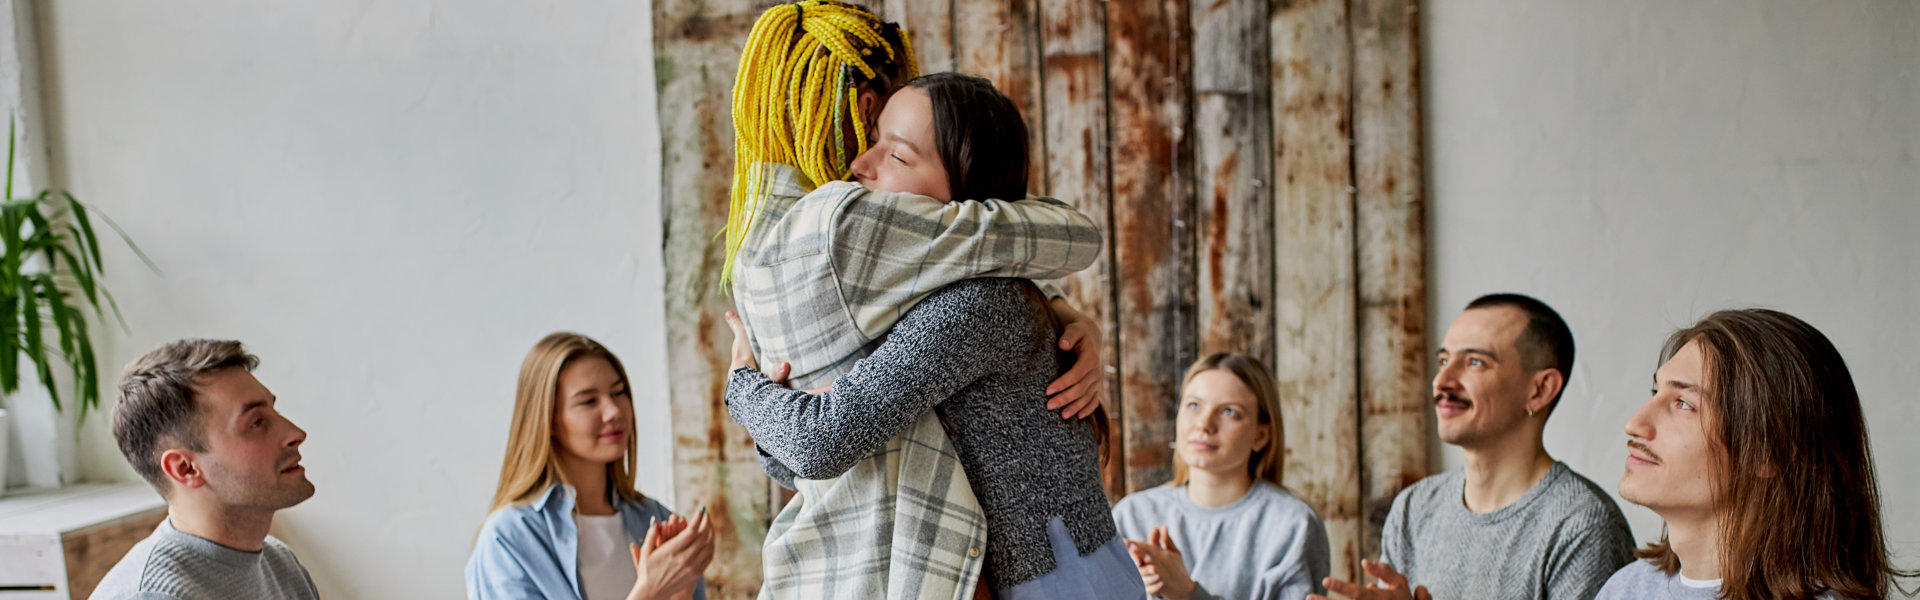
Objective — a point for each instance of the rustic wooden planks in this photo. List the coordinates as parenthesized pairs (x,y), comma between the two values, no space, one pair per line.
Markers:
(1390,217)
(1148,54)
(1257,168)
(697,53)
(997,39)
(929,25)
(1074,91)
(1232,154)
(1313,248)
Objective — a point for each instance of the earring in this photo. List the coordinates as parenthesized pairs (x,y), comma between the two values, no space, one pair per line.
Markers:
(1529,412)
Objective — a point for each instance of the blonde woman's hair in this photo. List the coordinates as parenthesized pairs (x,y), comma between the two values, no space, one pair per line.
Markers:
(1265,463)
(532,463)
(797,93)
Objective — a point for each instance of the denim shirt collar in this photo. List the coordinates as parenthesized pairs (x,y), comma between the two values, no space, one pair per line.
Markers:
(556,510)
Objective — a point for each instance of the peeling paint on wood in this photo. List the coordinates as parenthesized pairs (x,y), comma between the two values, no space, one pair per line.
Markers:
(1313,247)
(1232,153)
(929,25)
(715,464)
(998,40)
(1074,88)
(1148,57)
(1390,221)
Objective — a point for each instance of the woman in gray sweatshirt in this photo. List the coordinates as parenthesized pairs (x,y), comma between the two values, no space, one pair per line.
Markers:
(1224,528)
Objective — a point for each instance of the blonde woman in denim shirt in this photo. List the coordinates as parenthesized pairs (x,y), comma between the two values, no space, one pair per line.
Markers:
(567,522)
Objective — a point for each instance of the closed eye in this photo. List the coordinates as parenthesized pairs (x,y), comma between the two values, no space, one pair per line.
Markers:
(897,157)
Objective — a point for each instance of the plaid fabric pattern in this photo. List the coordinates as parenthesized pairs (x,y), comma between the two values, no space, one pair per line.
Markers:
(821,278)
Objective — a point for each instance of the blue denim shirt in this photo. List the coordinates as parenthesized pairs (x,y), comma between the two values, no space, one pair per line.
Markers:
(532,550)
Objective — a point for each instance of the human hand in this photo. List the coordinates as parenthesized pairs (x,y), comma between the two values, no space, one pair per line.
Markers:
(1078,391)
(670,561)
(743,351)
(1162,568)
(1392,586)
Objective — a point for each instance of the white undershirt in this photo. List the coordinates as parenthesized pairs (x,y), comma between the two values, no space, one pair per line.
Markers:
(606,565)
(1701,584)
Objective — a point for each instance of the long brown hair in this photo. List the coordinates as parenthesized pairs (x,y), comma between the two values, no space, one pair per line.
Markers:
(1265,464)
(1796,498)
(532,463)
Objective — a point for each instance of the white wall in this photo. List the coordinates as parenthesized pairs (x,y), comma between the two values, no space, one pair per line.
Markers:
(1638,164)
(389,202)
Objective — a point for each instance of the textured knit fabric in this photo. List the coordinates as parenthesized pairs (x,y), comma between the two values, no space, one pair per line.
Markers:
(1640,579)
(532,550)
(821,277)
(171,564)
(980,353)
(1267,545)
(1560,541)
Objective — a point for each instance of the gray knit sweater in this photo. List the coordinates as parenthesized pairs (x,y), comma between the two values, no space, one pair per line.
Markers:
(980,353)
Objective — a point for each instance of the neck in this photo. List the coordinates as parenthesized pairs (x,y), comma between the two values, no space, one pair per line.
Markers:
(589,481)
(1694,540)
(236,528)
(1214,490)
(1501,473)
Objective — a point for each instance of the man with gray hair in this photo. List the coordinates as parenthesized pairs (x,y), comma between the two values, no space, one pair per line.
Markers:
(196,424)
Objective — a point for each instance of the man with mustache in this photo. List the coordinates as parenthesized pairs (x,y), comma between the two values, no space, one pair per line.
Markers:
(1745,404)
(196,424)
(1514,523)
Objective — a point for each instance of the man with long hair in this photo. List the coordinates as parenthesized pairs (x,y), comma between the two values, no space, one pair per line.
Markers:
(1754,451)
(1514,523)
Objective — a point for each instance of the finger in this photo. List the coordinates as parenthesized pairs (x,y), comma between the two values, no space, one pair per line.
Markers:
(1086,364)
(1096,391)
(650,542)
(1344,588)
(1071,337)
(1385,574)
(1421,593)
(780,373)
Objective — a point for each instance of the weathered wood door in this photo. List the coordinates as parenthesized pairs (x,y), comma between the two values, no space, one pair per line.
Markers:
(1256,165)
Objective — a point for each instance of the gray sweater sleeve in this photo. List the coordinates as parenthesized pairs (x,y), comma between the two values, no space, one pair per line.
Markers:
(944,344)
(1586,562)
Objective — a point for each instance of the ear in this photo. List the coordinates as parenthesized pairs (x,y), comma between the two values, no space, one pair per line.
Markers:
(1265,439)
(1546,385)
(870,105)
(182,468)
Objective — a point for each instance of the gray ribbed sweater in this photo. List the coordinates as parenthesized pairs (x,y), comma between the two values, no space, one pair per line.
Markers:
(980,354)
(1559,541)
(172,565)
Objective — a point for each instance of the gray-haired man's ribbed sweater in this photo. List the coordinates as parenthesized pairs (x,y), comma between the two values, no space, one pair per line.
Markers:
(172,565)
(979,353)
(1560,541)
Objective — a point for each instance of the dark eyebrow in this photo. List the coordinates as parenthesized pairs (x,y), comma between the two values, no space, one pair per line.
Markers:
(908,143)
(1485,353)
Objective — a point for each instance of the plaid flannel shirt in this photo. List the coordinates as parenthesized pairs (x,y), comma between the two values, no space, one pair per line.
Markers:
(821,278)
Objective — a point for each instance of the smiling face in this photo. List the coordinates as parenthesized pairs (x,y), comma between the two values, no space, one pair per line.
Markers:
(594,413)
(1482,389)
(1669,456)
(1218,425)
(903,157)
(252,453)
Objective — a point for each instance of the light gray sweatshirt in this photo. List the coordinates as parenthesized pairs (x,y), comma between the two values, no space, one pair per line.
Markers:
(1266,545)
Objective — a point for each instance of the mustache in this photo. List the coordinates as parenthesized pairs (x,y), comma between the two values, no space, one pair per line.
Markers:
(1445,396)
(1644,450)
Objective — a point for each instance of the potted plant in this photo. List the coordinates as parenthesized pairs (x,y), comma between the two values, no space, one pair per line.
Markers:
(49,277)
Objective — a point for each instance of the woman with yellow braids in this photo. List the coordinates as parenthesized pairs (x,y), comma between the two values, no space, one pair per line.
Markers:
(820,276)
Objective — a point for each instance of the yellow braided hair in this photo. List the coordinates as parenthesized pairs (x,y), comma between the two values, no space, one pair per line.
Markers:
(798,91)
